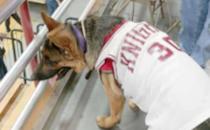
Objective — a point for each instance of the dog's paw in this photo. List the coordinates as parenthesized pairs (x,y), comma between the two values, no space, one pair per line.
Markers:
(133,106)
(107,122)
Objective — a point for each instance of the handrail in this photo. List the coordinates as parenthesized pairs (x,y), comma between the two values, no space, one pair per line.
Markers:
(28,54)
(42,85)
(13,44)
(87,10)
(21,63)
(30,105)
(18,41)
(7,7)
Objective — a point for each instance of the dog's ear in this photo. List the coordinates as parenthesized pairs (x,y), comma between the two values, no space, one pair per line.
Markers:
(50,22)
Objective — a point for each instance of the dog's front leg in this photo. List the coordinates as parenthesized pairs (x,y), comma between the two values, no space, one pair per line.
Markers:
(116,101)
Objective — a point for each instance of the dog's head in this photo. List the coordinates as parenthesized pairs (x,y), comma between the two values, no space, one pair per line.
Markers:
(60,51)
(48,67)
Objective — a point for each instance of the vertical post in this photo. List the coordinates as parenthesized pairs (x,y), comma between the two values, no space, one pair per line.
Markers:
(27,27)
(109,7)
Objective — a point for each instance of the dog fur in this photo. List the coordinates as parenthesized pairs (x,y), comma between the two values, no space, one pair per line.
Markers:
(63,52)
(50,56)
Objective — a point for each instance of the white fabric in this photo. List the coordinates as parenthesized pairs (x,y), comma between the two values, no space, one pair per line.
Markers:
(174,91)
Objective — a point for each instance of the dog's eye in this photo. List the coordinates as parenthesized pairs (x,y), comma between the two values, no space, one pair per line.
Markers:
(49,62)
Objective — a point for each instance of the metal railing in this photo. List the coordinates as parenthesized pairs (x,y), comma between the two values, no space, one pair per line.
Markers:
(7,7)
(16,40)
(17,47)
(25,58)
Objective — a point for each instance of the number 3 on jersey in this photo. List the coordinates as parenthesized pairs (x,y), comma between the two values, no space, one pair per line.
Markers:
(162,51)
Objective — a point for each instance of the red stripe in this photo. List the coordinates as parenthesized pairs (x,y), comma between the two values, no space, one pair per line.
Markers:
(107,66)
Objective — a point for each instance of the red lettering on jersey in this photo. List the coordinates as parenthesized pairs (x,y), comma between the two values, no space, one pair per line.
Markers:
(171,42)
(131,48)
(127,62)
(164,52)
(142,32)
(135,38)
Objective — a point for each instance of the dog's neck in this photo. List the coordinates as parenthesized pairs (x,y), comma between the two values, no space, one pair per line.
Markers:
(80,38)
(96,28)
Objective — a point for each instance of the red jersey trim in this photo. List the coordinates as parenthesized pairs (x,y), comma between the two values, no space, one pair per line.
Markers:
(108,63)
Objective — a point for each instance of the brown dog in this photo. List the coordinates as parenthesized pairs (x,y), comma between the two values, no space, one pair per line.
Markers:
(51,55)
(137,61)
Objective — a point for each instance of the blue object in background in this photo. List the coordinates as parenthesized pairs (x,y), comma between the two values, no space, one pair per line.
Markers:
(195,32)
(51,6)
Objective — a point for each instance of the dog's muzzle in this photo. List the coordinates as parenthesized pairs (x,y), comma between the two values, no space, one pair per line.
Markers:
(43,75)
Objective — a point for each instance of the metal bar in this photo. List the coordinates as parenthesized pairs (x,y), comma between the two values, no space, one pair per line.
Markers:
(175,24)
(21,48)
(122,7)
(21,63)
(13,42)
(87,10)
(30,105)
(26,22)
(38,28)
(110,6)
(7,7)
(27,28)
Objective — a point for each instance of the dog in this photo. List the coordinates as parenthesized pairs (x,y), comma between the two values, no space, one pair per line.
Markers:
(135,61)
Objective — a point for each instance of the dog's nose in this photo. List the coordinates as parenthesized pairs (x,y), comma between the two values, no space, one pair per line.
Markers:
(43,74)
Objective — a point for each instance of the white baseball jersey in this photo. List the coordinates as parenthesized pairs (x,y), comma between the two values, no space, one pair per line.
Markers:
(164,82)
